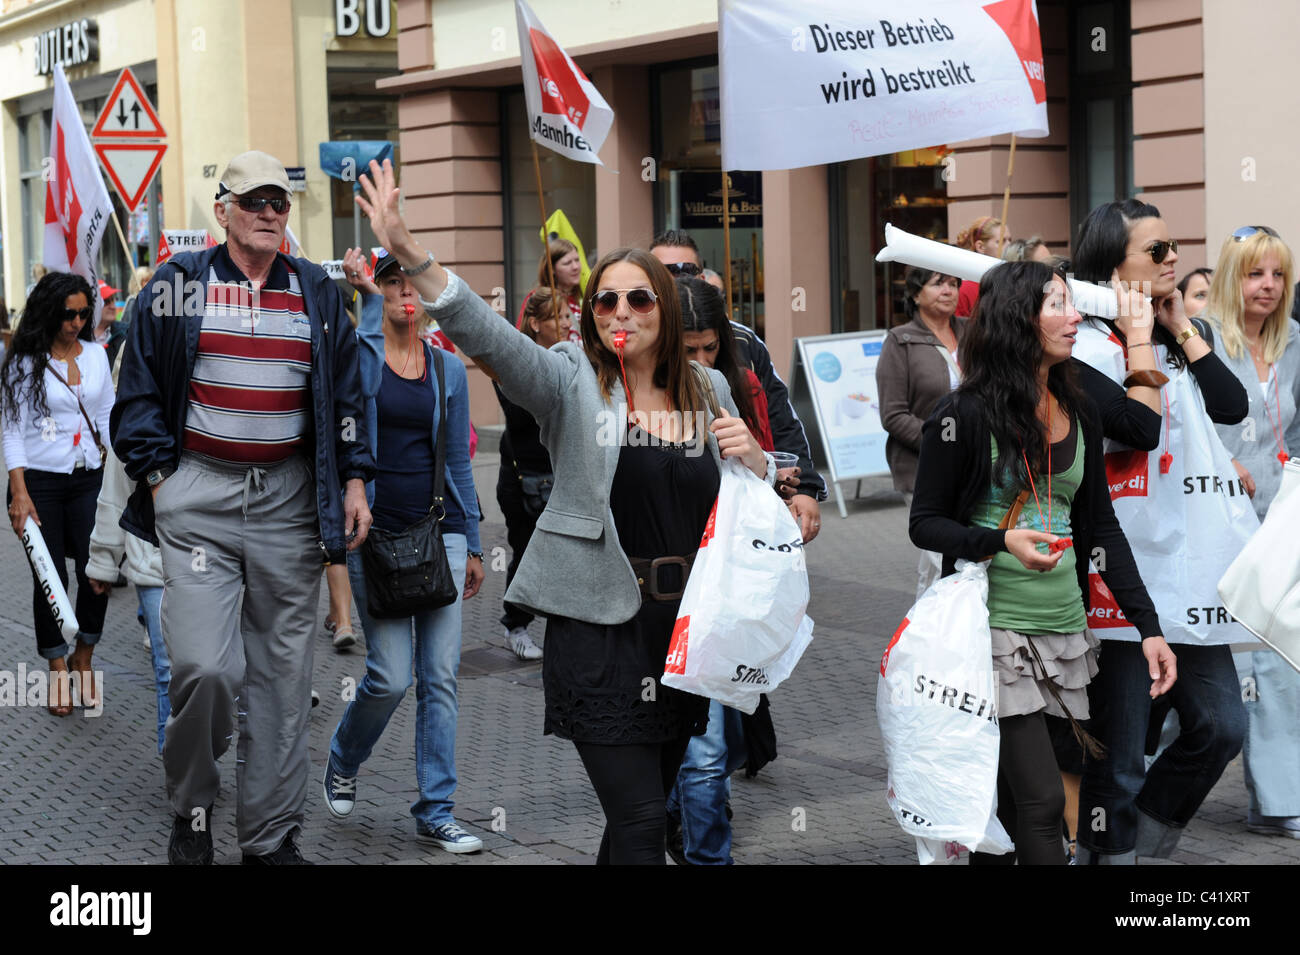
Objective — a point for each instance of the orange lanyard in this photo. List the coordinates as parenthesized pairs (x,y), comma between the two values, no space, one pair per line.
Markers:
(1276,425)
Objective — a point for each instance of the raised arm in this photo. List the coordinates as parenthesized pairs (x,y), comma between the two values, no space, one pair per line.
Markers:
(531,376)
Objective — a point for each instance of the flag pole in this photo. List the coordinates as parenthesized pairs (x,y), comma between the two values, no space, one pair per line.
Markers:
(121,235)
(726,236)
(1006,195)
(546,239)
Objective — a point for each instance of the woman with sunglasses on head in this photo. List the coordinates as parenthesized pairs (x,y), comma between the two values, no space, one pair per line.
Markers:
(1165,360)
(1249,304)
(636,451)
(55,397)
(1021,477)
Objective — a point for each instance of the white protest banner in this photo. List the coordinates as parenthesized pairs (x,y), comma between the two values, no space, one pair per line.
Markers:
(862,78)
(77,207)
(182,240)
(566,113)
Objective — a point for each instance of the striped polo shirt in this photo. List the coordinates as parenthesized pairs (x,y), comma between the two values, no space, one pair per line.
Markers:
(249,397)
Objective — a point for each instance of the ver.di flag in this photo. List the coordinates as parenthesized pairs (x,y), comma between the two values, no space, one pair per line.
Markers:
(805,84)
(566,113)
(77,206)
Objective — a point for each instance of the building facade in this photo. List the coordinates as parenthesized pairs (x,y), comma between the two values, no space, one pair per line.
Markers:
(277,75)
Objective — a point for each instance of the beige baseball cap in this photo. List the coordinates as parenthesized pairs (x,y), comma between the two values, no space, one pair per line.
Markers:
(251,170)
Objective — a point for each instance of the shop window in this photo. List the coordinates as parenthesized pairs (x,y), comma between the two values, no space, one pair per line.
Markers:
(686,137)
(1101,117)
(905,189)
(356,112)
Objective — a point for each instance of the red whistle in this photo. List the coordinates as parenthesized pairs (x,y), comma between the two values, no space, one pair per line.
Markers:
(1283,457)
(1166,462)
(620,338)
(1059,545)
(408,308)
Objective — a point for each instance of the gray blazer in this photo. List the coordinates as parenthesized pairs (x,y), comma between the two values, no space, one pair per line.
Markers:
(575,538)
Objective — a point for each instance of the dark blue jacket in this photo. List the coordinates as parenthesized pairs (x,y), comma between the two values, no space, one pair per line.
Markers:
(147,427)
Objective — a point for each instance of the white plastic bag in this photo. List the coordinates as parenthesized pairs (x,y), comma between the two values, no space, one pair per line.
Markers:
(1262,586)
(741,626)
(1185,520)
(936,702)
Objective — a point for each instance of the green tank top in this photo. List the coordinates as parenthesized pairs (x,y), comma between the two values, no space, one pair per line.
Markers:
(1024,600)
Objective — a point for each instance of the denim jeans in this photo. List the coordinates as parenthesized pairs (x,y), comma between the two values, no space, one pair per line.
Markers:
(391,654)
(1124,809)
(1272,750)
(149,614)
(703,784)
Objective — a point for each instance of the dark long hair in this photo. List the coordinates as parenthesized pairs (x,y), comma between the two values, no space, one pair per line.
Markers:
(1100,249)
(703,311)
(1000,358)
(671,369)
(40,324)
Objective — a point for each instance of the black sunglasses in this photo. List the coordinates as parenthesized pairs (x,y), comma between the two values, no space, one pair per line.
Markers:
(72,314)
(1246,231)
(640,300)
(258,203)
(683,268)
(1159,250)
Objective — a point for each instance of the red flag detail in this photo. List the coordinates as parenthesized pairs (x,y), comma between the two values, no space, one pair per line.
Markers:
(1016,18)
(561,87)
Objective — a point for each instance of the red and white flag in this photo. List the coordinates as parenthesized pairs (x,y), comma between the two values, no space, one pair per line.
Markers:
(77,207)
(565,111)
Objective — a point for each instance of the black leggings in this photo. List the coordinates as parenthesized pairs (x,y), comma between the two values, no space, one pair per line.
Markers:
(632,783)
(1031,797)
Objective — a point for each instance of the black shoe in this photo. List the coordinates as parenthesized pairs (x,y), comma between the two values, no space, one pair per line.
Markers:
(285,854)
(190,846)
(676,848)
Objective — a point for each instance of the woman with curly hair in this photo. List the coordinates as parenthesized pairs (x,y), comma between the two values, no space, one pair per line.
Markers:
(55,398)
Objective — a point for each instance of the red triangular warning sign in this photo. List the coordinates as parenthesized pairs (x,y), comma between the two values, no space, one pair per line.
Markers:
(164,249)
(128,112)
(131,167)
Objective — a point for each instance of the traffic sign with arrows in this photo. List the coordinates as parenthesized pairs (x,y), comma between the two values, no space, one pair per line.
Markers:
(127,139)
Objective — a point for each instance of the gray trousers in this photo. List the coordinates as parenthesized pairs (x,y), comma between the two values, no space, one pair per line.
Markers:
(229,531)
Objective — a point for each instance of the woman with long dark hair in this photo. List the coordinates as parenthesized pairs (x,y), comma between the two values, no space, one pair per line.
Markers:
(637,449)
(1024,480)
(55,397)
(1171,359)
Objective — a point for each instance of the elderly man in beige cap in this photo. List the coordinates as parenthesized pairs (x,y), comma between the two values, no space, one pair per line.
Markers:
(239,415)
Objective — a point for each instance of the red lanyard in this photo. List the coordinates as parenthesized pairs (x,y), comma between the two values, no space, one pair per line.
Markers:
(620,338)
(1032,486)
(1166,459)
(1276,425)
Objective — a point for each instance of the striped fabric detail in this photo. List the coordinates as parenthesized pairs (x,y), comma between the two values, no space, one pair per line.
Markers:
(249,394)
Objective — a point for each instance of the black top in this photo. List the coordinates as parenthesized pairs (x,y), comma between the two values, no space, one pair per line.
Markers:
(593,675)
(521,442)
(954,476)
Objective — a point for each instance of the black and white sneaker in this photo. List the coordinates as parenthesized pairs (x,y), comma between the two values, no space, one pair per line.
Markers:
(449,836)
(340,791)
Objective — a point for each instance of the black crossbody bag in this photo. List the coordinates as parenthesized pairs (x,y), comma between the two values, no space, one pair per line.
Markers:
(408,572)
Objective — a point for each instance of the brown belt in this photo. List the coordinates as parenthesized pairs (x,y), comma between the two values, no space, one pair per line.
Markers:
(647,574)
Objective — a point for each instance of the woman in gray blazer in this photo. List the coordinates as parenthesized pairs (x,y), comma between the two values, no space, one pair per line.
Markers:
(636,452)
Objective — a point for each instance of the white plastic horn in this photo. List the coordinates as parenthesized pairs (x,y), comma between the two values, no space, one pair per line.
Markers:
(911,249)
(51,586)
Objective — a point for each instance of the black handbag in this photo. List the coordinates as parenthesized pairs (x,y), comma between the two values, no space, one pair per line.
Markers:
(408,572)
(536,489)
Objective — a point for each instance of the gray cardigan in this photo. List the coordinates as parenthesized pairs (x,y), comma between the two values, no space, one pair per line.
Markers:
(575,538)
(1253,442)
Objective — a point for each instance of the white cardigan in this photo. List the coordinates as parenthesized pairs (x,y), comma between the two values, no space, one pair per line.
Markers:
(45,443)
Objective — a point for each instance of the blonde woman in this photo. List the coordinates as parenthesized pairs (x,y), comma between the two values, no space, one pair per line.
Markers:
(987,236)
(1249,304)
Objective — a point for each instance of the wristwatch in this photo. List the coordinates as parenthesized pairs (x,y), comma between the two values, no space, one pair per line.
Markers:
(1187,334)
(158,475)
(421,267)
(476,553)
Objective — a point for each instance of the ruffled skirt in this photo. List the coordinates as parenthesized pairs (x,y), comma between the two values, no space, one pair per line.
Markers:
(1067,660)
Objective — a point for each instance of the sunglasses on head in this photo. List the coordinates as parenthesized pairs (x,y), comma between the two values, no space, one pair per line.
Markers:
(1246,231)
(258,203)
(640,300)
(684,268)
(1159,250)
(72,314)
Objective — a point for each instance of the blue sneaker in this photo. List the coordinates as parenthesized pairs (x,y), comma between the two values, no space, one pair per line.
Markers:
(449,836)
(340,791)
